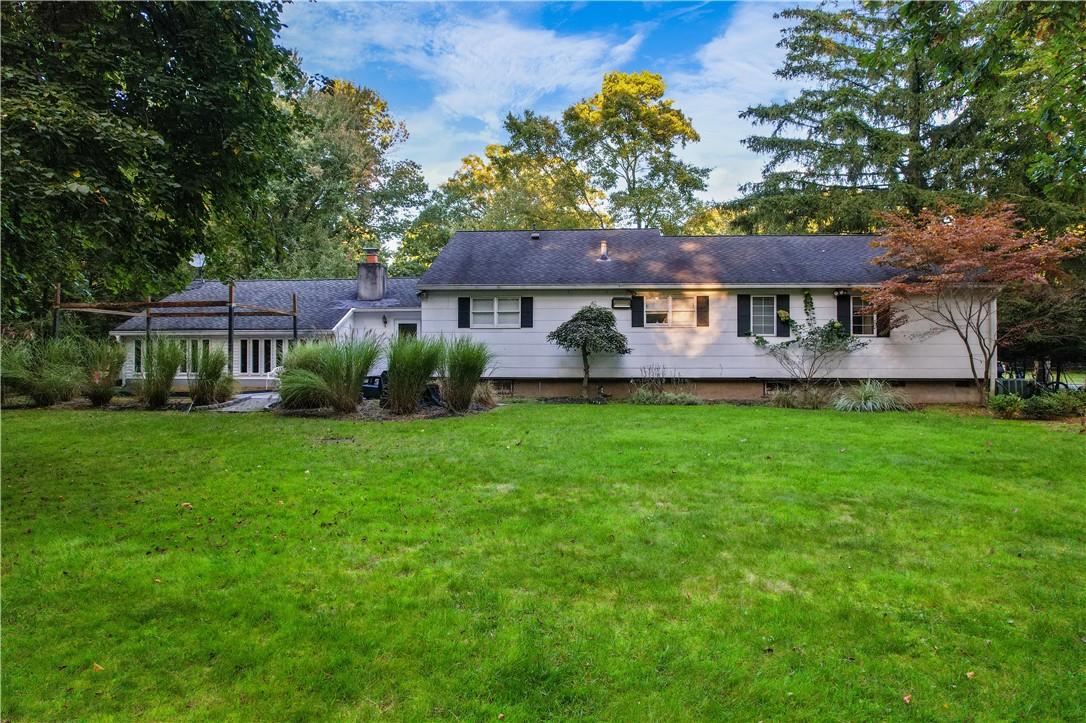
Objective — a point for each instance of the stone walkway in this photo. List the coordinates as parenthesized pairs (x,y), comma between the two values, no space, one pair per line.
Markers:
(254,402)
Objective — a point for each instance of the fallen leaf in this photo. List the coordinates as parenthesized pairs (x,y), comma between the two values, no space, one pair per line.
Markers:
(186,505)
(908,698)
(158,580)
(97,668)
(970,675)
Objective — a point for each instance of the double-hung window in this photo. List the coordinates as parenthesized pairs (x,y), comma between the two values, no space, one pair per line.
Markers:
(763,315)
(670,311)
(863,320)
(501,312)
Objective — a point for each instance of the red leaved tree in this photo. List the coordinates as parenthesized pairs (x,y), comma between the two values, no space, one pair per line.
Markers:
(954,266)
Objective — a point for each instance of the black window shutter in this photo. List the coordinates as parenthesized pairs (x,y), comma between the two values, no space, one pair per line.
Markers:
(463,312)
(743,317)
(844,312)
(882,324)
(526,312)
(637,311)
(782,305)
(703,311)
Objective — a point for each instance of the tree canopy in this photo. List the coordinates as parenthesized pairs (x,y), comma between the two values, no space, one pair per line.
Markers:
(125,127)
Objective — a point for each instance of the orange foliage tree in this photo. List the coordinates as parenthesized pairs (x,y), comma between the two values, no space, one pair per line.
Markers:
(953,267)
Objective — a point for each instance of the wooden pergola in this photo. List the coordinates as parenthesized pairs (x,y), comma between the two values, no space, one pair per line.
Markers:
(148,309)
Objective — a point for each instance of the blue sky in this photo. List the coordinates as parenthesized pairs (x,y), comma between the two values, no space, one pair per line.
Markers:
(452,71)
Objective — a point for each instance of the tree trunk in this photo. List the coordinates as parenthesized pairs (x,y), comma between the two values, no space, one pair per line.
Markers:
(584,380)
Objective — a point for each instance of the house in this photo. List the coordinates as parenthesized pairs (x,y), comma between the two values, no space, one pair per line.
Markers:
(689,304)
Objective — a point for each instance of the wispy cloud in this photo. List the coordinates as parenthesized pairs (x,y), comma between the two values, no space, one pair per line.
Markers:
(471,64)
(734,71)
(480,62)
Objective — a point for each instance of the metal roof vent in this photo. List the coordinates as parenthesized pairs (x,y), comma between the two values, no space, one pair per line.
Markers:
(603,251)
(535,235)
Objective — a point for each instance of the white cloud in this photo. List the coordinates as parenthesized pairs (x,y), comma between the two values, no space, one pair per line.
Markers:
(735,71)
(479,65)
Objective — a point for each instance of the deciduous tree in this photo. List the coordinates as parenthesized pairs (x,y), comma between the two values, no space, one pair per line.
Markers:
(952,268)
(591,330)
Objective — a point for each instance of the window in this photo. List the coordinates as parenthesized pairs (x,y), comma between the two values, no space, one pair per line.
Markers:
(193,349)
(408,329)
(863,321)
(670,311)
(763,315)
(137,357)
(491,311)
(260,356)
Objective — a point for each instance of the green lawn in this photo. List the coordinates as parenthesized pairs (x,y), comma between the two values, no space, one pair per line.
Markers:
(543,561)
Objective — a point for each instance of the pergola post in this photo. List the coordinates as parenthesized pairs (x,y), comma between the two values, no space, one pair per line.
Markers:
(56,310)
(294,314)
(230,328)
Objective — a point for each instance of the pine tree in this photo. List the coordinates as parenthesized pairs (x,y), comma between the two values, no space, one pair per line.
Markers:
(880,126)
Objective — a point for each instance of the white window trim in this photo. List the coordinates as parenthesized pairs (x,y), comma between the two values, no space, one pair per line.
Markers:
(669,324)
(852,318)
(494,312)
(775,317)
(278,348)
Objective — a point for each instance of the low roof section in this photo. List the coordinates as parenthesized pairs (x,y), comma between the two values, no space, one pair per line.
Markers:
(322,303)
(645,257)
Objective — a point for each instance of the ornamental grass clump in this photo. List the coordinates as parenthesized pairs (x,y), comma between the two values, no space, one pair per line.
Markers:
(870,395)
(162,358)
(412,363)
(46,370)
(103,360)
(209,381)
(465,363)
(327,374)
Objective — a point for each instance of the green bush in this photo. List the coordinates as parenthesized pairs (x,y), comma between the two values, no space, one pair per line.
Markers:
(327,374)
(103,360)
(46,370)
(209,381)
(412,363)
(870,395)
(465,363)
(1054,406)
(162,358)
(801,397)
(648,396)
(1005,406)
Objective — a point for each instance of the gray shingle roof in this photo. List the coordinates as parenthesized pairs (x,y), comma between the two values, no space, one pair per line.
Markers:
(321,303)
(643,257)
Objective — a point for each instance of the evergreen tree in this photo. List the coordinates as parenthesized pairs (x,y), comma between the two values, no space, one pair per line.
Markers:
(879,127)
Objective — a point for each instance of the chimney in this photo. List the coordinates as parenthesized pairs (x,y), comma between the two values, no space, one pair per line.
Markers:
(371,277)
(603,250)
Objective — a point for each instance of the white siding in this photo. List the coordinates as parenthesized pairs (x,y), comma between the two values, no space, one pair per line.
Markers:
(382,324)
(713,352)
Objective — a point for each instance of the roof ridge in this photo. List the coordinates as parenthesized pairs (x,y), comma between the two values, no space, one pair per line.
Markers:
(317,278)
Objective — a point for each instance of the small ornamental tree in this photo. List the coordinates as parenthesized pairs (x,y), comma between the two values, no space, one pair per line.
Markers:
(814,350)
(590,331)
(953,267)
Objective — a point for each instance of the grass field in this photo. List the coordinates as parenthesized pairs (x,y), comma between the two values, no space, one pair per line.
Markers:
(543,561)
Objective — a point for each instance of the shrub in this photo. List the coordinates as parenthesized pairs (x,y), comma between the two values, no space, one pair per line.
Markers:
(162,357)
(871,395)
(46,370)
(327,374)
(209,382)
(465,363)
(1005,406)
(644,395)
(103,360)
(801,397)
(412,362)
(1054,406)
